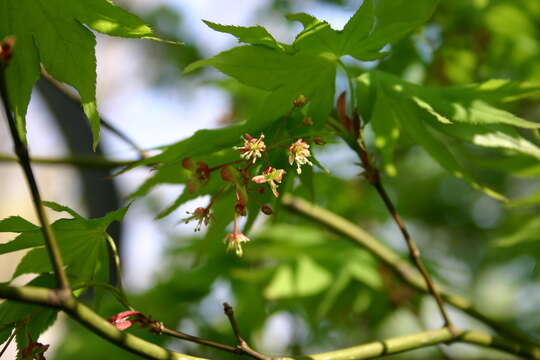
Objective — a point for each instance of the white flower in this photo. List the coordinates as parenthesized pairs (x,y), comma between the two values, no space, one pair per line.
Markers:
(234,242)
(270,176)
(252,148)
(299,153)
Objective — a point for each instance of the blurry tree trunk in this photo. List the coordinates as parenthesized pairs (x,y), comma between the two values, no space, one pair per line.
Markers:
(98,189)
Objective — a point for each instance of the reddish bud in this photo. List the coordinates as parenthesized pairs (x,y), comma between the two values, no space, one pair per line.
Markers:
(308,121)
(267,210)
(122,320)
(203,172)
(6,48)
(319,140)
(342,112)
(187,163)
(227,173)
(33,351)
(240,209)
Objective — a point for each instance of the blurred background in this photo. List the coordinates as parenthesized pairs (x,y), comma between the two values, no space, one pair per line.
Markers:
(472,244)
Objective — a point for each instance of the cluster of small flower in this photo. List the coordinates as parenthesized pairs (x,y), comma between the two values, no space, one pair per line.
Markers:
(251,150)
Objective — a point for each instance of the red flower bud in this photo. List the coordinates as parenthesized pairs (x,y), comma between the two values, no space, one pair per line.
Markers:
(203,172)
(240,209)
(308,121)
(227,173)
(319,140)
(33,351)
(187,163)
(267,210)
(6,49)
(122,320)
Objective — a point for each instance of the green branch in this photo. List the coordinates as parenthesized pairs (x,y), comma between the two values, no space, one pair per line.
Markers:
(400,267)
(98,325)
(91,320)
(82,161)
(419,340)
(374,179)
(136,345)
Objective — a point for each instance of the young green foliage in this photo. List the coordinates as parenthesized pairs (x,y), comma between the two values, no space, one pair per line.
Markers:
(30,321)
(306,67)
(82,243)
(53,33)
(467,113)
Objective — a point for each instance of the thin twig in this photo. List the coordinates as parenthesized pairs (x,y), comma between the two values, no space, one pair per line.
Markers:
(82,161)
(210,343)
(12,336)
(400,267)
(229,311)
(84,315)
(242,348)
(242,344)
(91,320)
(414,252)
(105,123)
(374,179)
(24,160)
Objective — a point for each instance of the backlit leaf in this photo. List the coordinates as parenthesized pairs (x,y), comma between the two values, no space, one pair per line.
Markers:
(52,33)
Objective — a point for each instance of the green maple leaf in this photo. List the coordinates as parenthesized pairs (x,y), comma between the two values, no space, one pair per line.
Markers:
(467,113)
(82,243)
(52,32)
(285,71)
(308,66)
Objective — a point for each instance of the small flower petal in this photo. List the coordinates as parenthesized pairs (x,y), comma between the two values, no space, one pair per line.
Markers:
(252,148)
(234,242)
(299,153)
(270,176)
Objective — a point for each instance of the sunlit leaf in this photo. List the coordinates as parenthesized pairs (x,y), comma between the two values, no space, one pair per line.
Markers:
(53,33)
(82,243)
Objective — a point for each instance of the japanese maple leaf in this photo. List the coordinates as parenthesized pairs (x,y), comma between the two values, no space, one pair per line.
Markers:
(308,66)
(53,33)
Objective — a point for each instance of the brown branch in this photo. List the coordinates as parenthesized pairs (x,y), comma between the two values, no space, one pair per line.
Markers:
(241,349)
(374,179)
(6,345)
(414,252)
(94,322)
(195,339)
(400,267)
(88,318)
(21,151)
(242,346)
